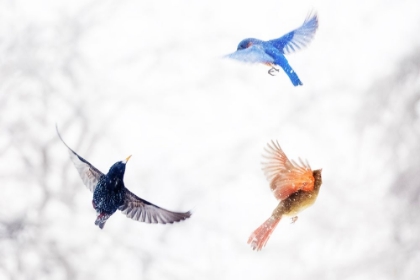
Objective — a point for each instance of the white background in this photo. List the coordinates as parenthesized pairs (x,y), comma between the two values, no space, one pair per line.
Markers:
(147,78)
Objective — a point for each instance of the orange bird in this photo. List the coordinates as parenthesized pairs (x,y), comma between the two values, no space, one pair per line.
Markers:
(294,184)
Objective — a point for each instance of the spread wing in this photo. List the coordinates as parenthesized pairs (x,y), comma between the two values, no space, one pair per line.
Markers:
(252,54)
(143,211)
(298,38)
(89,174)
(285,176)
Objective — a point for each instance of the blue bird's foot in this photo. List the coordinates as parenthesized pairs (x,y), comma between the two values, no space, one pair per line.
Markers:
(273,70)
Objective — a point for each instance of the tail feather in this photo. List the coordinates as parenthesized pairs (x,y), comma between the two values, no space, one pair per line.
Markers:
(292,75)
(283,63)
(101,220)
(260,236)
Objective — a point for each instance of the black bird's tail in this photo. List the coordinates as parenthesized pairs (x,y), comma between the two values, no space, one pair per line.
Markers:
(101,220)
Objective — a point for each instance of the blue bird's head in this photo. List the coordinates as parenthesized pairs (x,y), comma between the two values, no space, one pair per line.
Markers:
(118,169)
(246,43)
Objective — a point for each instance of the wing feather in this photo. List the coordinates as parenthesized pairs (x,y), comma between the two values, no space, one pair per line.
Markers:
(88,173)
(143,211)
(285,176)
(298,38)
(253,54)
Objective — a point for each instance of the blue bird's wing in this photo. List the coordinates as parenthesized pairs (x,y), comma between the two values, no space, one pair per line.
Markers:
(143,211)
(253,54)
(298,38)
(89,174)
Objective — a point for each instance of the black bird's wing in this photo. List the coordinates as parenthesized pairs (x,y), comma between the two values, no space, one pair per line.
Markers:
(143,211)
(89,174)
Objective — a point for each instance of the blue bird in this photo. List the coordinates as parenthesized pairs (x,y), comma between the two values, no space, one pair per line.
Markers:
(272,52)
(110,194)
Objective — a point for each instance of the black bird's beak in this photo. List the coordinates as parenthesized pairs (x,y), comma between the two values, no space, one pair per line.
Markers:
(126,160)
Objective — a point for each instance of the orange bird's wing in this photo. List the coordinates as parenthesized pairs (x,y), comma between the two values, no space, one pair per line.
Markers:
(285,176)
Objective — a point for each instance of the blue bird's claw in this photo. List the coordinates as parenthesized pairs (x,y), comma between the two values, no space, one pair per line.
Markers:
(273,70)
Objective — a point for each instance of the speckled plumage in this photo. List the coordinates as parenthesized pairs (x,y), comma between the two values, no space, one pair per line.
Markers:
(294,184)
(110,194)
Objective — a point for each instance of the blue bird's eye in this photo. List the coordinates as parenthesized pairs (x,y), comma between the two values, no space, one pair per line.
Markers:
(244,45)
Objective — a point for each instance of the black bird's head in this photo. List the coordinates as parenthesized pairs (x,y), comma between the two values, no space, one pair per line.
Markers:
(246,43)
(118,169)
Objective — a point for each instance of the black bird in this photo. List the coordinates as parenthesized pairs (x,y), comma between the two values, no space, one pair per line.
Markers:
(110,194)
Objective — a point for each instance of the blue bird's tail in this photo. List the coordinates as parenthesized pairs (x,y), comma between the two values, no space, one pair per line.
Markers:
(293,76)
(282,62)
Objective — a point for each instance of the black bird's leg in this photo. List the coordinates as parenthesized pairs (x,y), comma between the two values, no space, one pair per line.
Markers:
(273,69)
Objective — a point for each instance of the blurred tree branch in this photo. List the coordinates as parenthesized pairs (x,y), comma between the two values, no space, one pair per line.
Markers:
(40,68)
(393,108)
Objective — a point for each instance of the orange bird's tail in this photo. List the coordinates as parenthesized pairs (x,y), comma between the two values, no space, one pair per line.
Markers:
(260,236)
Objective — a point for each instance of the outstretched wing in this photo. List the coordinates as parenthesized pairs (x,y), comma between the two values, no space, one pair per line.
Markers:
(252,54)
(285,176)
(143,211)
(298,38)
(89,174)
